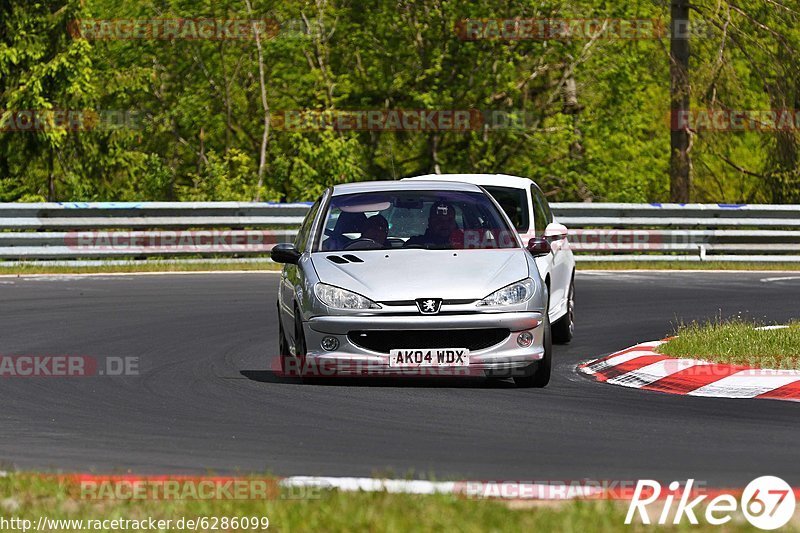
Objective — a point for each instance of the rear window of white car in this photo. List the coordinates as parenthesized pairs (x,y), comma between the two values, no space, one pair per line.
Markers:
(514,202)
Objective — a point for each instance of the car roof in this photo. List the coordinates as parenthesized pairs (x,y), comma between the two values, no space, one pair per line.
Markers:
(502,180)
(402,185)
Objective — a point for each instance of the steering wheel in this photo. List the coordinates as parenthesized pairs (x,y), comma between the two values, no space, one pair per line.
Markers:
(363,243)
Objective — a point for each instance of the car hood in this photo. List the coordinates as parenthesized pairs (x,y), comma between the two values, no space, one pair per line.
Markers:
(391,275)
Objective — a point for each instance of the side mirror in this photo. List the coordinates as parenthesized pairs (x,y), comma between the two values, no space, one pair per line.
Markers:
(539,246)
(555,231)
(285,252)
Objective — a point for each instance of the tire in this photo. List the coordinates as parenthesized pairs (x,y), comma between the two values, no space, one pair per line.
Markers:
(283,348)
(538,374)
(300,350)
(564,327)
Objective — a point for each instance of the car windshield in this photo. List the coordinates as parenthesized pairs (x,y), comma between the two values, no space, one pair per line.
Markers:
(514,202)
(414,219)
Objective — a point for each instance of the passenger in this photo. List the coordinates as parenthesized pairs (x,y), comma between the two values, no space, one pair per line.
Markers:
(443,230)
(376,228)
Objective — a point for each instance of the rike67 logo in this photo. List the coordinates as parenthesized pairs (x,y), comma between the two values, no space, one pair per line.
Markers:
(768,502)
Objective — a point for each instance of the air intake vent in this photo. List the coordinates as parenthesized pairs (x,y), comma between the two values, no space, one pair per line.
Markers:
(340,260)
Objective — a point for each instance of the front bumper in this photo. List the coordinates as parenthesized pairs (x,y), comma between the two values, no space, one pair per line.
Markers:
(350,358)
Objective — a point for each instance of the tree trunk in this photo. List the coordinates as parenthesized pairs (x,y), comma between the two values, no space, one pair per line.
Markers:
(51,178)
(783,180)
(680,162)
(262,159)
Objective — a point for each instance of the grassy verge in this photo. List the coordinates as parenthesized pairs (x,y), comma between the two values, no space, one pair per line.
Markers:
(144,266)
(737,342)
(684,265)
(30,497)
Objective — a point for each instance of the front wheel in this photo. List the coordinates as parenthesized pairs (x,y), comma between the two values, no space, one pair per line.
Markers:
(564,327)
(538,374)
(306,375)
(283,347)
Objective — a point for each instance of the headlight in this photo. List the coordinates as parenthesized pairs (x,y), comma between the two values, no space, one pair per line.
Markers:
(516,293)
(341,298)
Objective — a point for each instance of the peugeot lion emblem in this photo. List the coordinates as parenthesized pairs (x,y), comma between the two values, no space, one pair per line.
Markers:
(429,306)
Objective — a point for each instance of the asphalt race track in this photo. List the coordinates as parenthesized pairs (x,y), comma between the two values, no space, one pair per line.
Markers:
(206,401)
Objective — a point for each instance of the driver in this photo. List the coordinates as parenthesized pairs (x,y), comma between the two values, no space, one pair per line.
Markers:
(346,223)
(376,228)
(442,229)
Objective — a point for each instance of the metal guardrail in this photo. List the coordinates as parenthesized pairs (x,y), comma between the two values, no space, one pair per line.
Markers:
(131,215)
(598,231)
(682,232)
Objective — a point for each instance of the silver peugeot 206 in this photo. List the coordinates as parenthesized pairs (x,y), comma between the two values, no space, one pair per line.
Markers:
(402,277)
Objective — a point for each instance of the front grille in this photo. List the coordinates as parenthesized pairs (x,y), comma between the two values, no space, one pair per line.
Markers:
(414,302)
(472,339)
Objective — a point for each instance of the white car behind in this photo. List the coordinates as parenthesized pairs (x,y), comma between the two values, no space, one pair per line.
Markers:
(529,212)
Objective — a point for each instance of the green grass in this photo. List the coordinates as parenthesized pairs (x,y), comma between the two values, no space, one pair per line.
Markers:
(144,266)
(684,265)
(737,342)
(30,496)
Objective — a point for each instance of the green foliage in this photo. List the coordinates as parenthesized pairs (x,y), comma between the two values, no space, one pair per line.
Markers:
(223,177)
(199,115)
(316,162)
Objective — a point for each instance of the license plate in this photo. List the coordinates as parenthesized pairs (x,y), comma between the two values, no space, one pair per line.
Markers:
(413,357)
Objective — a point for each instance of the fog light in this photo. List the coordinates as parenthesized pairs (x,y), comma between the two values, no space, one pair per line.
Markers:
(524,339)
(329,343)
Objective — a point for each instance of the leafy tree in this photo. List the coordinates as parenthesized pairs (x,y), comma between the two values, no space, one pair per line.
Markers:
(198,119)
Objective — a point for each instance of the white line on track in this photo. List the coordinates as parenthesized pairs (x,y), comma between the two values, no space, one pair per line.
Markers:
(75,275)
(783,278)
(680,271)
(354,484)
(521,489)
